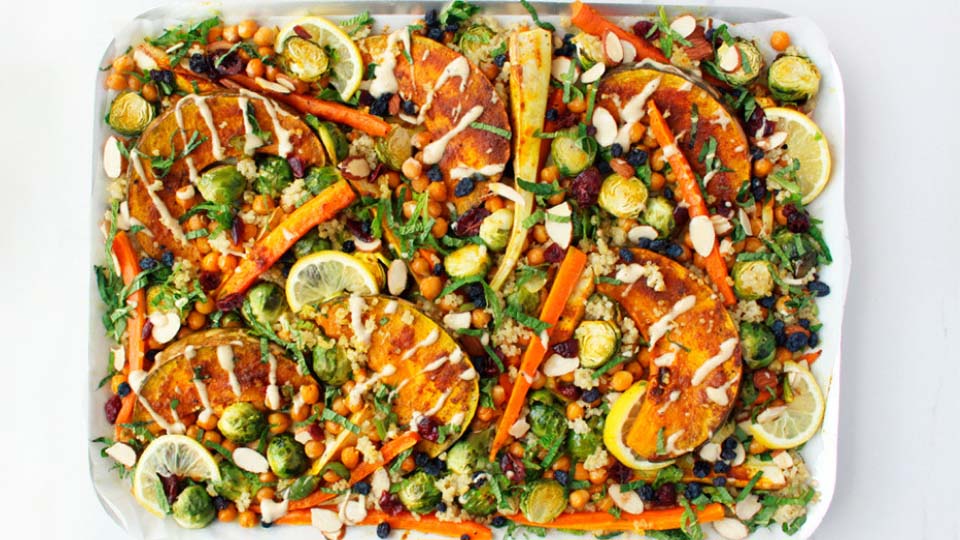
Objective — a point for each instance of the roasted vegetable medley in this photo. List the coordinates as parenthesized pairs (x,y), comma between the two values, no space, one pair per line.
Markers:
(463,276)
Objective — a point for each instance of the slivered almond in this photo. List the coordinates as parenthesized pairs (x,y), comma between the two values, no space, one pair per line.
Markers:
(250,460)
(558,366)
(773,141)
(123,454)
(613,48)
(112,158)
(560,67)
(397,277)
(560,229)
(728,58)
(629,52)
(606,126)
(731,529)
(272,86)
(702,235)
(594,73)
(684,25)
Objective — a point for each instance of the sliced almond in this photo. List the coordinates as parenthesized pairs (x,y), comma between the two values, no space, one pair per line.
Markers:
(506,192)
(771,473)
(721,225)
(684,25)
(271,510)
(119,358)
(519,428)
(561,67)
(166,324)
(143,59)
(560,230)
(606,126)
(702,235)
(363,245)
(642,231)
(745,222)
(355,168)
(457,321)
(741,456)
(594,73)
(558,366)
(783,460)
(613,48)
(710,452)
(354,512)
(303,436)
(379,483)
(123,453)
(728,57)
(629,52)
(271,86)
(731,529)
(326,520)
(397,277)
(287,83)
(773,141)
(748,507)
(628,501)
(250,460)
(112,158)
(770,414)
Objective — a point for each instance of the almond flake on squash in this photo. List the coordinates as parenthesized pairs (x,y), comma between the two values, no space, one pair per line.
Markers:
(702,235)
(613,47)
(519,428)
(606,126)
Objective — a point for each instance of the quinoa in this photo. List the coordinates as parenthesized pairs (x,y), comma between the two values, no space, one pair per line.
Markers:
(747,311)
(599,308)
(508,336)
(603,260)
(364,146)
(248,168)
(583,378)
(293,194)
(597,460)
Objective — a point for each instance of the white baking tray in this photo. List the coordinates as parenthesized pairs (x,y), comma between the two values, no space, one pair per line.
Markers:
(820,453)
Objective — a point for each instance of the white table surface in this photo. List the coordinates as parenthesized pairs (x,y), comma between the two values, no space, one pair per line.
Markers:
(899,439)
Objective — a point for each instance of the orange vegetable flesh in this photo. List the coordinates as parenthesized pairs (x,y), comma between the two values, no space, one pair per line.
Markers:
(122,249)
(587,19)
(650,520)
(689,190)
(563,286)
(271,247)
(328,110)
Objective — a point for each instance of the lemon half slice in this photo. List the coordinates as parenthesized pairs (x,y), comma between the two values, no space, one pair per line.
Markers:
(796,422)
(805,142)
(326,274)
(622,415)
(170,454)
(341,52)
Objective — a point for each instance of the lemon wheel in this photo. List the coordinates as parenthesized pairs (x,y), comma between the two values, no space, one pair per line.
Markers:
(622,416)
(334,49)
(323,275)
(794,423)
(170,454)
(806,143)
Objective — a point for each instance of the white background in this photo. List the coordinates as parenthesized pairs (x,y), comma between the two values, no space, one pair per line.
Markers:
(899,465)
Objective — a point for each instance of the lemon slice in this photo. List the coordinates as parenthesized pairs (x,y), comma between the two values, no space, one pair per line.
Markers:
(794,423)
(622,415)
(805,142)
(326,274)
(170,454)
(339,50)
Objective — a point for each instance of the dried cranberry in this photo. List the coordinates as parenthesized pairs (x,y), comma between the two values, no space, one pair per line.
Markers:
(567,349)
(230,302)
(229,64)
(681,216)
(357,229)
(513,467)
(757,125)
(666,495)
(147,330)
(428,428)
(365,99)
(112,408)
(469,223)
(642,28)
(797,220)
(236,229)
(296,165)
(568,390)
(171,486)
(585,188)
(390,503)
(209,280)
(553,254)
(302,32)
(620,473)
(723,210)
(316,432)
(201,64)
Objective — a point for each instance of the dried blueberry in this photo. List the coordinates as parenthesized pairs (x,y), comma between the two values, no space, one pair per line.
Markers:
(552,114)
(701,469)
(730,443)
(123,389)
(616,150)
(438,269)
(266,524)
(435,467)
(758,188)
(464,537)
(668,194)
(464,187)
(568,349)
(604,167)
(441,507)
(804,323)
(721,467)
(147,263)
(362,488)
(220,502)
(349,246)
(719,481)
(163,77)
(435,33)
(626,255)
(431,18)
(499,521)
(381,105)
(767,302)
(813,340)
(409,107)
(636,157)
(818,288)
(561,476)
(451,27)
(646,492)
(434,174)
(644,243)
(728,454)
(167,258)
(383,530)
(499,60)
(591,395)
(420,459)
(796,341)
(778,331)
(201,64)
(673,250)
(693,491)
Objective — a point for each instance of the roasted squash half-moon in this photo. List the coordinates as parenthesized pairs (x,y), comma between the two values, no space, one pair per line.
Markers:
(695,364)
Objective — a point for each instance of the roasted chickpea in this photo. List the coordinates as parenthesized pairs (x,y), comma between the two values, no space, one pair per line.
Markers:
(247,28)
(314,449)
(430,287)
(264,36)
(579,498)
(278,422)
(116,81)
(779,40)
(248,519)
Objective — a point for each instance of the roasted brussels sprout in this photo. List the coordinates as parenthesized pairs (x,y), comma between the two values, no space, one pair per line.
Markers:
(495,229)
(547,421)
(589,49)
(475,43)
(418,493)
(582,445)
(572,154)
(305,59)
(753,279)
(130,114)
(273,175)
(319,178)
(659,215)
(748,68)
(222,185)
(462,457)
(241,422)
(468,261)
(396,147)
(331,365)
(334,141)
(235,484)
(598,340)
(543,500)
(801,250)
(286,456)
(310,243)
(526,296)
(623,197)
(266,302)
(479,501)
(758,343)
(793,78)
(193,508)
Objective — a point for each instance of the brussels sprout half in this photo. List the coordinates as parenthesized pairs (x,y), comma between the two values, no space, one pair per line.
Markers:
(583,445)
(222,184)
(396,147)
(331,366)
(758,343)
(598,341)
(235,484)
(130,114)
(479,501)
(793,78)
(266,302)
(418,493)
(801,250)
(753,279)
(659,215)
(241,422)
(193,508)
(543,500)
(286,456)
(526,296)
(547,420)
(468,261)
(475,43)
(495,229)
(334,141)
(571,153)
(273,175)
(751,62)
(623,197)
(305,59)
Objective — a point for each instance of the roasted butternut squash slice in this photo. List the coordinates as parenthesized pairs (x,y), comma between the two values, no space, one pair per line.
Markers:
(430,374)
(681,100)
(444,100)
(219,121)
(694,354)
(191,374)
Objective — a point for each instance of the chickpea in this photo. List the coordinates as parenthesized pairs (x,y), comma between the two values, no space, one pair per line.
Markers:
(420,184)
(430,287)
(556,198)
(637,131)
(227,263)
(779,215)
(549,174)
(540,233)
(247,28)
(116,381)
(420,266)
(579,498)
(779,40)
(574,410)
(597,476)
(408,208)
(248,519)
(271,73)
(331,476)
(605,504)
(350,457)
(332,427)
(657,162)
(267,477)
(480,318)
(434,209)
(264,36)
(412,168)
(561,464)
(300,414)
(437,192)
(310,393)
(314,449)
(265,493)
(196,320)
(499,395)
(649,141)
(339,406)
(215,34)
(621,381)
(657,181)
(123,64)
(485,414)
(762,167)
(134,83)
(265,52)
(193,431)
(516,449)
(116,81)
(278,423)
(535,256)
(539,381)
(228,514)
(212,437)
(493,204)
(229,445)
(568,377)
(577,105)
(150,92)
(208,422)
(408,464)
(255,68)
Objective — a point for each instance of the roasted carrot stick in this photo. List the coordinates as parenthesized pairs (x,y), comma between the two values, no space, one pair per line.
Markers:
(650,520)
(328,110)
(129,264)
(390,450)
(587,19)
(690,192)
(261,257)
(564,284)
(424,524)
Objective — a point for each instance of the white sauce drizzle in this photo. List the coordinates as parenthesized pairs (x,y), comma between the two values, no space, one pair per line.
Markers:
(431,338)
(361,388)
(384,81)
(204,109)
(433,152)
(674,396)
(671,447)
(176,427)
(726,350)
(166,218)
(225,359)
(469,375)
(456,356)
(462,171)
(272,399)
(250,139)
(660,328)
(178,114)
(190,352)
(435,365)
(719,395)
(457,419)
(417,415)
(204,400)
(356,304)
(456,68)
(665,360)
(633,111)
